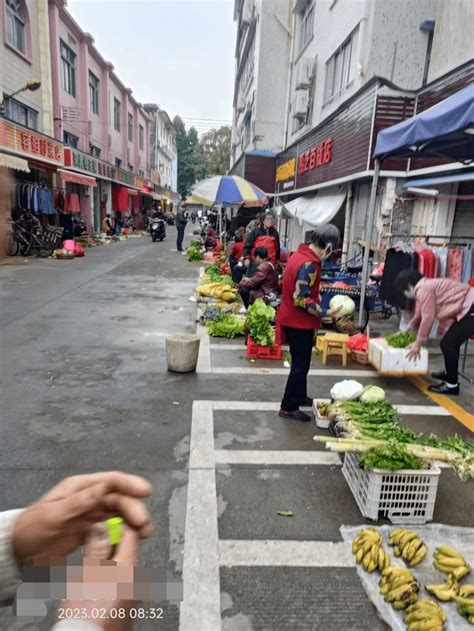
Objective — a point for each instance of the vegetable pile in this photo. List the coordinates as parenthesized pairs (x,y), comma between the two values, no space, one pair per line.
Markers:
(259,318)
(214,274)
(227,326)
(194,252)
(401,339)
(219,290)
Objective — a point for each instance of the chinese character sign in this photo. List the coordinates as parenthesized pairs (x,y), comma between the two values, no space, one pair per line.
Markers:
(34,145)
(316,157)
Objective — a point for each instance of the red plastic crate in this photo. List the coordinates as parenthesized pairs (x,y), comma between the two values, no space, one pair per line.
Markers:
(255,351)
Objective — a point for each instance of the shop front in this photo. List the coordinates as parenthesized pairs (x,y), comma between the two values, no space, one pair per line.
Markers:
(324,176)
(32,160)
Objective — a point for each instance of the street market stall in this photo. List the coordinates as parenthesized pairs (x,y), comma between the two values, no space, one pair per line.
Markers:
(445,130)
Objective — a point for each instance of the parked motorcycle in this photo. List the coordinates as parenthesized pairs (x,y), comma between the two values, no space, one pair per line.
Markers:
(157,229)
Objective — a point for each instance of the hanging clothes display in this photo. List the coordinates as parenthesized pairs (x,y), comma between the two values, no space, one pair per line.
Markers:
(427,263)
(454,268)
(395,261)
(466,273)
(72,203)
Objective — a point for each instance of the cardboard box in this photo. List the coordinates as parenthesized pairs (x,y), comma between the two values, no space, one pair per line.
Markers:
(393,361)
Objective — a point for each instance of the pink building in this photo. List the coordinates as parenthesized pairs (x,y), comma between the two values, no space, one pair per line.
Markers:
(106,131)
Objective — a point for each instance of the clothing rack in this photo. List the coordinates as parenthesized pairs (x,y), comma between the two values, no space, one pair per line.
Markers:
(449,239)
(20,182)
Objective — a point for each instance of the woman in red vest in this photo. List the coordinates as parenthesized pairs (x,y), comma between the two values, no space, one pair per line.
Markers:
(299,314)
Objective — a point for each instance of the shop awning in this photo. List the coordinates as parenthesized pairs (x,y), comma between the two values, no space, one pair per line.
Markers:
(132,192)
(12,162)
(77,178)
(445,130)
(443,179)
(316,209)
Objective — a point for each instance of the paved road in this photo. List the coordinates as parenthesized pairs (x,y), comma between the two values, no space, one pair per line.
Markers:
(85,387)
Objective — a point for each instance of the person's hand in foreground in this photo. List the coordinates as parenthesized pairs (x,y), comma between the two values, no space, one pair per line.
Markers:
(102,585)
(60,521)
(413,351)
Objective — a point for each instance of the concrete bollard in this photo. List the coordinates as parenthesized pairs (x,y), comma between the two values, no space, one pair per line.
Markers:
(182,352)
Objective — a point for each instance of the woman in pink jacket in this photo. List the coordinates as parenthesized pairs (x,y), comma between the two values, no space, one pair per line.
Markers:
(441,299)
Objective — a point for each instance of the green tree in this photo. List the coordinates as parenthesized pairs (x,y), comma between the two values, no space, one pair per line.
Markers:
(213,152)
(186,142)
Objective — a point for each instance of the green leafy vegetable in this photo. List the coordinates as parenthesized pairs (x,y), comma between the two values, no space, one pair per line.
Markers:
(401,339)
(259,318)
(391,457)
(213,274)
(227,326)
(194,252)
(375,412)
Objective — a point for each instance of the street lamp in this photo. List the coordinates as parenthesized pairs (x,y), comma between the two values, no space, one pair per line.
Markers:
(32,85)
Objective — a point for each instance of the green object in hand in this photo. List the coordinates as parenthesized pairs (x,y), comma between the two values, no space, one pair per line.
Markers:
(114,528)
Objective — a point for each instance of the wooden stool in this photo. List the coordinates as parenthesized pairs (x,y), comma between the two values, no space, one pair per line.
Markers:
(332,344)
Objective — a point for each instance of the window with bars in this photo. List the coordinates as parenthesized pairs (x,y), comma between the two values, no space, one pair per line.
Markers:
(15,18)
(141,137)
(70,140)
(340,68)
(68,69)
(93,93)
(95,151)
(19,113)
(116,114)
(130,127)
(306,25)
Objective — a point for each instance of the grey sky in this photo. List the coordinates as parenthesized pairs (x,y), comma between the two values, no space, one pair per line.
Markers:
(177,53)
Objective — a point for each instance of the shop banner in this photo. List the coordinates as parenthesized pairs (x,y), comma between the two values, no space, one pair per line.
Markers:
(30,144)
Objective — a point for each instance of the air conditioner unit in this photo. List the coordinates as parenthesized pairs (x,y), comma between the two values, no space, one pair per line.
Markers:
(299,106)
(304,73)
(90,128)
(110,140)
(241,102)
(128,155)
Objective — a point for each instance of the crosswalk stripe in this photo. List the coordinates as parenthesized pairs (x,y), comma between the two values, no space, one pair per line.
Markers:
(275,458)
(274,553)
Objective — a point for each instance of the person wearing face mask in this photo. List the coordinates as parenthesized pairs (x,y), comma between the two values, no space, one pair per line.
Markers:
(265,236)
(441,299)
(299,314)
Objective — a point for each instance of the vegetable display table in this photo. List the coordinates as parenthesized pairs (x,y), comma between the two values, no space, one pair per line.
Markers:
(333,344)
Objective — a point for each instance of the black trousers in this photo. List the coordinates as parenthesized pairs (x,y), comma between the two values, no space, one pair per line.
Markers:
(179,240)
(301,346)
(451,344)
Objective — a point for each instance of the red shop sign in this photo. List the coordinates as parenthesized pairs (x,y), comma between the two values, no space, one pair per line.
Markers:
(316,157)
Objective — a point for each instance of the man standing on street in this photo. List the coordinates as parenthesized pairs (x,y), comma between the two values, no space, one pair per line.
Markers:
(299,314)
(181,222)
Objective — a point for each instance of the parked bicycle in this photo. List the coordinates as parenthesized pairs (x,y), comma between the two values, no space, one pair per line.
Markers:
(28,237)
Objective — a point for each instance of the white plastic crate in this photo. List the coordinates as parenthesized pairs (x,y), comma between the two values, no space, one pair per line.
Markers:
(393,361)
(404,497)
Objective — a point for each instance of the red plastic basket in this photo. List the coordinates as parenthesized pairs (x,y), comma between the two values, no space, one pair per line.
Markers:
(255,351)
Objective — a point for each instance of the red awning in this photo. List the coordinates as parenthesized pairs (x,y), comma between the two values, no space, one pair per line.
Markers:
(77,178)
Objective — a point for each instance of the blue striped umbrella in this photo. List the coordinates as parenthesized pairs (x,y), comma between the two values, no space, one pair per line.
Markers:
(229,190)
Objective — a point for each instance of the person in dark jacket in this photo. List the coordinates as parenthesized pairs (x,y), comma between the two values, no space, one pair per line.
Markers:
(263,283)
(181,221)
(299,314)
(266,237)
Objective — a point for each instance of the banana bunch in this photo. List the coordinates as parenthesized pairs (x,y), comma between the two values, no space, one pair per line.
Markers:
(445,591)
(465,602)
(425,614)
(398,587)
(368,550)
(450,561)
(408,545)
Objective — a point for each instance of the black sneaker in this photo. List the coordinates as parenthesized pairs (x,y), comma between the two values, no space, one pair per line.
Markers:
(442,388)
(296,415)
(441,375)
(307,403)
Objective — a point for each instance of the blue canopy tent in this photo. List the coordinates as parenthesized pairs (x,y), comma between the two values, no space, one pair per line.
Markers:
(445,130)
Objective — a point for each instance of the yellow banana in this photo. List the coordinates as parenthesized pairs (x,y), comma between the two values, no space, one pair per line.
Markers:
(359,555)
(381,559)
(366,560)
(402,592)
(466,590)
(461,571)
(403,604)
(447,551)
(406,538)
(371,567)
(375,552)
(426,625)
(441,592)
(396,551)
(401,580)
(419,555)
(449,561)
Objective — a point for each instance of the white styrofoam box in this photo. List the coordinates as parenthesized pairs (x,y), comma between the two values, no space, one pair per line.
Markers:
(321,421)
(393,361)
